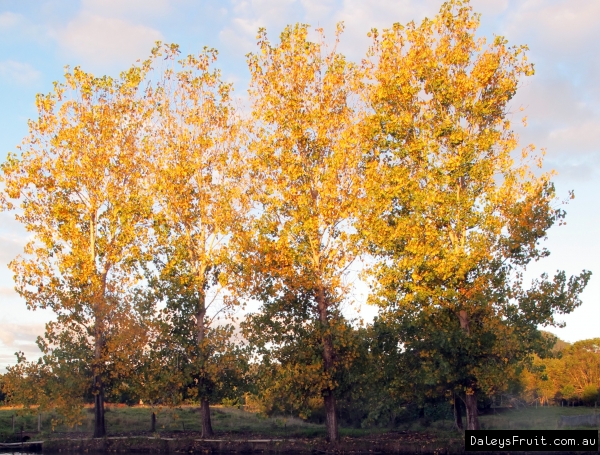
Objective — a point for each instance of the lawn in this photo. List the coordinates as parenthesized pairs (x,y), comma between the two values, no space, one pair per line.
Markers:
(230,422)
(226,421)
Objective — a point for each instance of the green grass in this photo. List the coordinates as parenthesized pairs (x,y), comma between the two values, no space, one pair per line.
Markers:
(232,422)
(542,418)
(135,420)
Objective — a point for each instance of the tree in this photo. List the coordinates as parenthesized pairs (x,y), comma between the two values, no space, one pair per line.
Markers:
(590,394)
(287,340)
(197,182)
(59,381)
(454,222)
(306,177)
(581,368)
(79,184)
(2,388)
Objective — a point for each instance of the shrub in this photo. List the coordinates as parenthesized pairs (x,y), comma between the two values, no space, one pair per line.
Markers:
(589,395)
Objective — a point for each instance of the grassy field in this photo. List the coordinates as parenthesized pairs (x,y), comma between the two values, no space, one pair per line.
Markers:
(137,420)
(231,422)
(542,418)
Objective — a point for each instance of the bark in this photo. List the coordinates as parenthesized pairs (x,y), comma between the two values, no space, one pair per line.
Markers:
(458,408)
(99,427)
(153,423)
(471,405)
(207,430)
(98,386)
(98,389)
(331,417)
(328,396)
(463,317)
(470,399)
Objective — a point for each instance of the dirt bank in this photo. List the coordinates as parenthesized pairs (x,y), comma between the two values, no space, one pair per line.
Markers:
(401,444)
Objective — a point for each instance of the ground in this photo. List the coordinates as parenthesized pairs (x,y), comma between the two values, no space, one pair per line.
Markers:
(231,423)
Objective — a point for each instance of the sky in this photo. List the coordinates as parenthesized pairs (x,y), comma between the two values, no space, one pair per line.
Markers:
(561,102)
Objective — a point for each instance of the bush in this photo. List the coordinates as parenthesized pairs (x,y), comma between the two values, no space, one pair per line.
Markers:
(590,395)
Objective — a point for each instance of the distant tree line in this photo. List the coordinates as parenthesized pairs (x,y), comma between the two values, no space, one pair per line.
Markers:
(571,376)
(157,208)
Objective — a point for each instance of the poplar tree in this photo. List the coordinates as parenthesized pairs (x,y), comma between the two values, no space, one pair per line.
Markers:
(78,184)
(198,185)
(453,220)
(306,188)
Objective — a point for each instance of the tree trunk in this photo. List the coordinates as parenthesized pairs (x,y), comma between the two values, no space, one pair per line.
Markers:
(98,389)
(471,405)
(153,423)
(98,386)
(331,417)
(458,408)
(207,430)
(99,427)
(470,399)
(328,396)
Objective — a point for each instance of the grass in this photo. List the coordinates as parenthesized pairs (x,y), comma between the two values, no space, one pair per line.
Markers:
(530,418)
(542,418)
(229,422)
(137,420)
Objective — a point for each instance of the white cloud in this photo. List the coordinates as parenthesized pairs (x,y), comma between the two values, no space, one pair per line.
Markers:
(240,34)
(9,19)
(99,40)
(129,8)
(19,328)
(562,99)
(564,121)
(360,17)
(579,138)
(12,335)
(13,238)
(268,12)
(317,10)
(18,337)
(8,293)
(568,27)
(552,101)
(19,72)
(250,15)
(489,7)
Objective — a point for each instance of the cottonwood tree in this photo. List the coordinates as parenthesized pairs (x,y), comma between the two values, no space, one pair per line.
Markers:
(306,188)
(79,186)
(453,220)
(199,191)
(286,339)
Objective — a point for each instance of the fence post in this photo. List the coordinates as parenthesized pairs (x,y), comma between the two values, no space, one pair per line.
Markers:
(13,422)
(39,422)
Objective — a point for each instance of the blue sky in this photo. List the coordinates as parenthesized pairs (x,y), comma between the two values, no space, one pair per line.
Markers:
(562,101)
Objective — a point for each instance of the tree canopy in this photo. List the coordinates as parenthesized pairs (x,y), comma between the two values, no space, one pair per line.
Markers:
(158,208)
(456,220)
